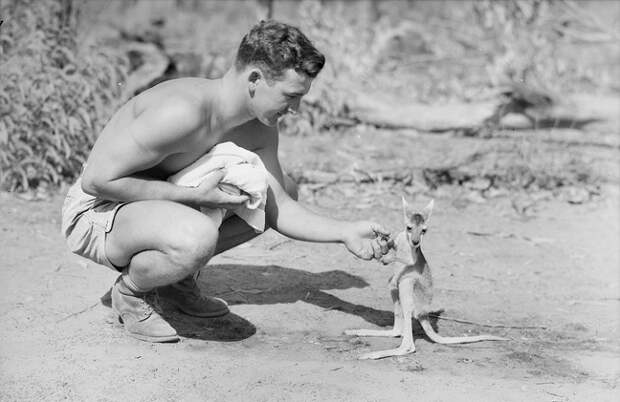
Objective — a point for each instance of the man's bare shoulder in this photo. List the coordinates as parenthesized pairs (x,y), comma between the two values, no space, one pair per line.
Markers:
(168,117)
(189,94)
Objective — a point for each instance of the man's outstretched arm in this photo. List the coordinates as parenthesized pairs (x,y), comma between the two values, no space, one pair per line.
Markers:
(292,219)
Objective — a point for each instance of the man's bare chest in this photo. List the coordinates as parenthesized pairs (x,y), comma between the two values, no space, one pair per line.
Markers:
(241,136)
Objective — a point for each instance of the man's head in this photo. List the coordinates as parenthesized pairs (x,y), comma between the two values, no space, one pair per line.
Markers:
(278,63)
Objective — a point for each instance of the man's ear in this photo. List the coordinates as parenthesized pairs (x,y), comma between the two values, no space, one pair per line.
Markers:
(405,209)
(428,210)
(254,76)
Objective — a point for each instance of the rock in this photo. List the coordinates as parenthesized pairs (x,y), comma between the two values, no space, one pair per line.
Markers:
(494,192)
(478,183)
(476,197)
(575,195)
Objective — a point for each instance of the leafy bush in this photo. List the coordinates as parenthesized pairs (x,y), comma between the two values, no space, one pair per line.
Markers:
(54,97)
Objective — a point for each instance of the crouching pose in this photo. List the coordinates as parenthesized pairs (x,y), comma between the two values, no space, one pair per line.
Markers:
(124,213)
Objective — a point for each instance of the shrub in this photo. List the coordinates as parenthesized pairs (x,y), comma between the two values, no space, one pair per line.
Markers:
(54,97)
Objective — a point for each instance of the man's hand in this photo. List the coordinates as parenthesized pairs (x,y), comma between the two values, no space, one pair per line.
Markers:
(211,196)
(366,240)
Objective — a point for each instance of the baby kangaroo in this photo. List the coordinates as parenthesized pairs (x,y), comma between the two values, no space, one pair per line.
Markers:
(411,288)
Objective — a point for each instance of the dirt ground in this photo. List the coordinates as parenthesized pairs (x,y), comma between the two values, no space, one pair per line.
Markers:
(548,280)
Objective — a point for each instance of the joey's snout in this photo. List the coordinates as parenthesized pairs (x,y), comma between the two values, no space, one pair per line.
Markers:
(415,234)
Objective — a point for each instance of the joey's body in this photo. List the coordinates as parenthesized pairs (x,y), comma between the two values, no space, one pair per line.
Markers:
(411,289)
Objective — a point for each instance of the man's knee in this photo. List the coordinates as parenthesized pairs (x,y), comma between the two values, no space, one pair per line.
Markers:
(193,246)
(290,187)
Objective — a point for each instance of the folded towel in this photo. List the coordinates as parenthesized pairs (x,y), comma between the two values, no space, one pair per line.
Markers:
(245,172)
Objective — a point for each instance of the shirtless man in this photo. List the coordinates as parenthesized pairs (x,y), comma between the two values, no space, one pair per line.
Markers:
(124,214)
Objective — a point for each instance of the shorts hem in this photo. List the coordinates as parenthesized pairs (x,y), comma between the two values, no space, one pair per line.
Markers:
(108,229)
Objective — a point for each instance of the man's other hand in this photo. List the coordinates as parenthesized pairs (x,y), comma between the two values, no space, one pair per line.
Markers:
(366,240)
(211,196)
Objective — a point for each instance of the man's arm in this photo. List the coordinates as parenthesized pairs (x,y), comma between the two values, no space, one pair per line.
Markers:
(173,126)
(123,151)
(290,218)
(286,215)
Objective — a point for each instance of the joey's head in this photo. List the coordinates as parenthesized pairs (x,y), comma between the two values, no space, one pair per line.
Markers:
(416,222)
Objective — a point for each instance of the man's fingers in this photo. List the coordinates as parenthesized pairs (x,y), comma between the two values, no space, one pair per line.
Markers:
(234,199)
(385,245)
(364,253)
(376,248)
(379,230)
(213,178)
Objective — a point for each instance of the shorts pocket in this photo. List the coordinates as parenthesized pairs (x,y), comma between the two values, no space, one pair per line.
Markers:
(79,237)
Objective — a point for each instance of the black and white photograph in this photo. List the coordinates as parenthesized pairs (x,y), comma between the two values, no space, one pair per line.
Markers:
(310,200)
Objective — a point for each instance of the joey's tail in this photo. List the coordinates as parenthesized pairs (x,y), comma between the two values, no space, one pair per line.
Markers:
(450,340)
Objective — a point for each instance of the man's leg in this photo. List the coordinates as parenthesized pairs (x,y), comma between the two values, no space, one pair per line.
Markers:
(186,295)
(159,243)
(235,231)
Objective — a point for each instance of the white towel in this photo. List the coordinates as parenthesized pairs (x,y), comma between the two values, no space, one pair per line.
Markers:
(244,171)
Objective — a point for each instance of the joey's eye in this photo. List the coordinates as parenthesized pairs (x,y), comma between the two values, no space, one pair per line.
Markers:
(423,231)
(409,227)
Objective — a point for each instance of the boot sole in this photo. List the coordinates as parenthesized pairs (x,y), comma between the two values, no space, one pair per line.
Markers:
(152,339)
(212,314)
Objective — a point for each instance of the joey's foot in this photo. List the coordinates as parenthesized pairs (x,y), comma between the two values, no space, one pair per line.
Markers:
(390,333)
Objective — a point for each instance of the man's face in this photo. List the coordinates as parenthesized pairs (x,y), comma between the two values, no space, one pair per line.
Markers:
(274,99)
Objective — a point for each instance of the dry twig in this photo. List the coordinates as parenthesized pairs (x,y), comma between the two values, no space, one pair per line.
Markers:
(78,312)
(486,325)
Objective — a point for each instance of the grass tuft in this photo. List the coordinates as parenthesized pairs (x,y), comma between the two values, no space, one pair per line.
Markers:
(54,97)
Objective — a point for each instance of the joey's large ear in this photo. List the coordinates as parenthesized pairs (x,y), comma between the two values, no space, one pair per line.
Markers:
(428,210)
(405,210)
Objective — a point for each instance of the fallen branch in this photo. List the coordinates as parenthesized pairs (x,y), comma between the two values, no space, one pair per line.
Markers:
(572,112)
(535,240)
(354,176)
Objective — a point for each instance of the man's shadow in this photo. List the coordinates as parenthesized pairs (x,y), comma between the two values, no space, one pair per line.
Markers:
(268,284)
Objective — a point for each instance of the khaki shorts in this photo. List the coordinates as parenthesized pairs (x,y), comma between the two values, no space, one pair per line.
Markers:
(86,220)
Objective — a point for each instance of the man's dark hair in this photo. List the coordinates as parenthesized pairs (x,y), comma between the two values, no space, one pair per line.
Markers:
(275,47)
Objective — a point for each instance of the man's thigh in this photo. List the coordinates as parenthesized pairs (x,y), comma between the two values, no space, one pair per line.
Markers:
(235,231)
(160,225)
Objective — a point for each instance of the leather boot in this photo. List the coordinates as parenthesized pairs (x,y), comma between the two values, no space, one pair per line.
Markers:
(186,296)
(141,321)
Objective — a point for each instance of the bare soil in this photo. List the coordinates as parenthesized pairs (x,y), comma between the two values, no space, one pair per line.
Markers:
(545,276)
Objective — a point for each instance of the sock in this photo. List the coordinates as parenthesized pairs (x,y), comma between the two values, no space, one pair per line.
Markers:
(131,285)
(188,282)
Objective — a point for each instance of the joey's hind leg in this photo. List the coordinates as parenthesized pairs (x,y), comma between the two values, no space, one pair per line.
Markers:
(407,346)
(398,322)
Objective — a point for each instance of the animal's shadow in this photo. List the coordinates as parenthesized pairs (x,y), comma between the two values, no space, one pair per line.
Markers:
(269,284)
